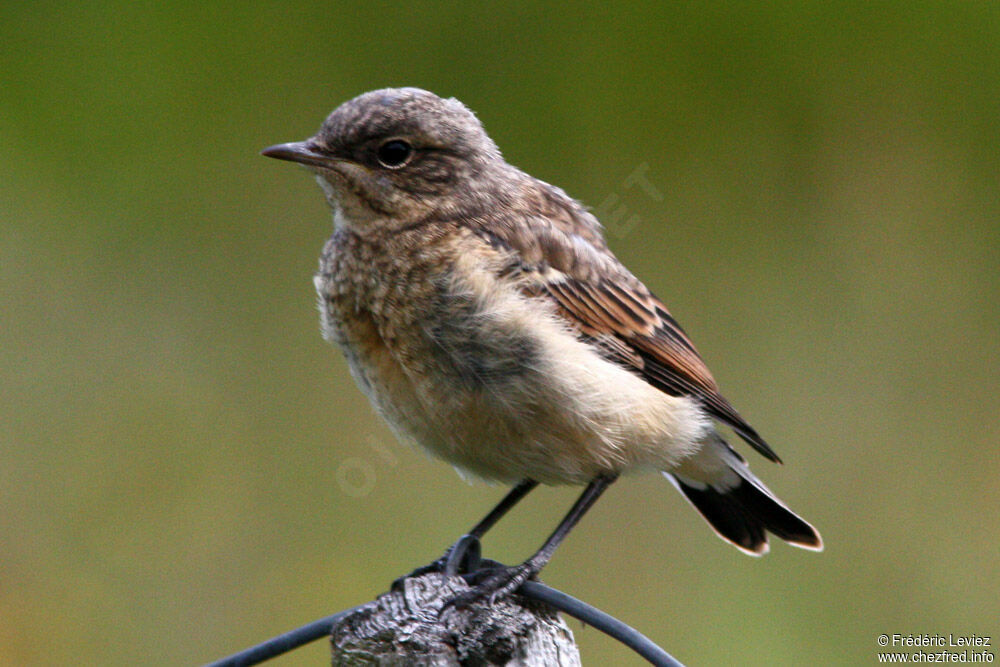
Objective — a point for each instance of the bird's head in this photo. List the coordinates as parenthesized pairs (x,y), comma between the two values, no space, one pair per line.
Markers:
(391,157)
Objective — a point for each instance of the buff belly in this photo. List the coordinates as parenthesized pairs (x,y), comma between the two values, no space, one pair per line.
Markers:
(503,391)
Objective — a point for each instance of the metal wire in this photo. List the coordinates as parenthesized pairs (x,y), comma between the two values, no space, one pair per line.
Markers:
(289,641)
(465,559)
(606,623)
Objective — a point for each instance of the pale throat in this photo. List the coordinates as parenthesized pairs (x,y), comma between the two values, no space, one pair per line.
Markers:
(333,197)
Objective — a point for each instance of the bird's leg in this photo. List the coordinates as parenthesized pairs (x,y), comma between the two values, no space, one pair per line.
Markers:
(513,496)
(471,538)
(505,580)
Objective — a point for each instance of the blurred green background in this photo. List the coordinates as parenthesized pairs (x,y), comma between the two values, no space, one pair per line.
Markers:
(187,469)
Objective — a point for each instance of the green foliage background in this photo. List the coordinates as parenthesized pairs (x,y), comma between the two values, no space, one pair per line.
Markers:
(182,457)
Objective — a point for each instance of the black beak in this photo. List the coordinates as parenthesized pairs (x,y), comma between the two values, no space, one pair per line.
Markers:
(302,152)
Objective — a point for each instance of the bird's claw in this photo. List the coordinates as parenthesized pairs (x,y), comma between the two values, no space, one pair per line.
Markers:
(498,583)
(461,557)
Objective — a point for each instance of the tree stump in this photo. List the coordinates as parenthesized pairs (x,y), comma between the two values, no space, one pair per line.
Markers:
(403,628)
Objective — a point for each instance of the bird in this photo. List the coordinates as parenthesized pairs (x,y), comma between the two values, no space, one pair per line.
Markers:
(485,317)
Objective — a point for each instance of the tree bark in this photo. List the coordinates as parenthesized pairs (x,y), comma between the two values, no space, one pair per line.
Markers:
(403,628)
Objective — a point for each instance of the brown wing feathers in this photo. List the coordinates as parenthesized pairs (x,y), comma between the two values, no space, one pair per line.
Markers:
(571,264)
(647,339)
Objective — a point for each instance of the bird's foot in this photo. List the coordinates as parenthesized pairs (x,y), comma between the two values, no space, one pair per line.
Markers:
(461,557)
(497,582)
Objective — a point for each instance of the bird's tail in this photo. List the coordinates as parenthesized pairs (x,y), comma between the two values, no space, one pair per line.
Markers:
(737,505)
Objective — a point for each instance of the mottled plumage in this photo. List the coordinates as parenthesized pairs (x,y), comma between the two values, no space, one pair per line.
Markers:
(483,314)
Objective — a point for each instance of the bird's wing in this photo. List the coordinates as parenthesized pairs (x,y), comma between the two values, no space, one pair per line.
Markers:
(632,327)
(562,257)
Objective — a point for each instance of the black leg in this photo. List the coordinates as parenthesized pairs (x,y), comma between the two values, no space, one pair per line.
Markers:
(580,507)
(513,496)
(509,579)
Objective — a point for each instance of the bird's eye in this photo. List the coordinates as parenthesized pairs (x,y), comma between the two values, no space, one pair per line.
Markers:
(394,153)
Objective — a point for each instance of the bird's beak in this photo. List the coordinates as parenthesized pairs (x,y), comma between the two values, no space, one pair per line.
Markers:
(302,152)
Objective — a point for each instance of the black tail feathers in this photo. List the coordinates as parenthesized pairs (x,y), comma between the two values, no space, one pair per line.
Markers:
(743,514)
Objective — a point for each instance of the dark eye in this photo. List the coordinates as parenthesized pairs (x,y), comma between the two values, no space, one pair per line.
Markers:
(394,153)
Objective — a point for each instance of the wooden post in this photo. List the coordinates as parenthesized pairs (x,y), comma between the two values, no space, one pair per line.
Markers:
(403,628)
